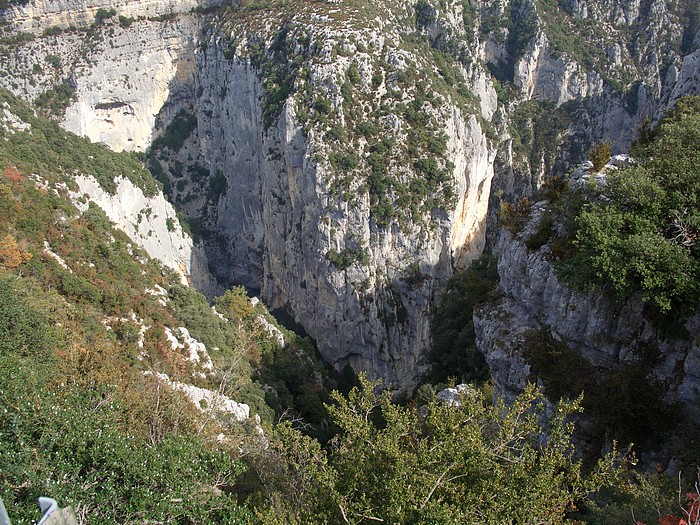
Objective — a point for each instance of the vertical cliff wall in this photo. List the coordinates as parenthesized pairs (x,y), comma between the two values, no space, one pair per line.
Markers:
(330,199)
(341,157)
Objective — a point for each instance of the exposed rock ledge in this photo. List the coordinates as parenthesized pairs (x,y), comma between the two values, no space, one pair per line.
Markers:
(604,333)
(41,14)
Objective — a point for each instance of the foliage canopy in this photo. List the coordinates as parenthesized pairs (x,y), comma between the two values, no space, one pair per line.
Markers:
(473,462)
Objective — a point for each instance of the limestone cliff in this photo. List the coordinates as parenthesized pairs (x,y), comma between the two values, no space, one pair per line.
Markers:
(584,71)
(340,156)
(106,78)
(606,334)
(39,16)
(329,221)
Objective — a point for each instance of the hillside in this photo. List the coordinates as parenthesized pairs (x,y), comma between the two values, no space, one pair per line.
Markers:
(124,393)
(599,286)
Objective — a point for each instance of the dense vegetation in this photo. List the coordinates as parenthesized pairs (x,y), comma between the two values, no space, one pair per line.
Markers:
(639,233)
(82,421)
(630,234)
(84,418)
(49,150)
(454,353)
(441,464)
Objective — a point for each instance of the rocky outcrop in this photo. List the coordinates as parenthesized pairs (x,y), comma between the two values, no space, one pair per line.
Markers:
(39,15)
(608,335)
(206,400)
(151,222)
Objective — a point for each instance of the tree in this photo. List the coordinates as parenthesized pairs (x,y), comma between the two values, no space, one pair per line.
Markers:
(11,254)
(599,154)
(478,462)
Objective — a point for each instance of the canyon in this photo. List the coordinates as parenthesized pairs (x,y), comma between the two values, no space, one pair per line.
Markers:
(344,160)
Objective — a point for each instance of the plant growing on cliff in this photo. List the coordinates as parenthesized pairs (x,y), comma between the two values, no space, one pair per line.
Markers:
(625,404)
(47,149)
(58,98)
(599,154)
(181,127)
(103,15)
(643,236)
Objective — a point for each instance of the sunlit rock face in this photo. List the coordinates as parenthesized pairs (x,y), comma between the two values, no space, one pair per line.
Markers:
(152,223)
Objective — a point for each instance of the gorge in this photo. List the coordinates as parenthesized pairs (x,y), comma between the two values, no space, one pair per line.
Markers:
(346,158)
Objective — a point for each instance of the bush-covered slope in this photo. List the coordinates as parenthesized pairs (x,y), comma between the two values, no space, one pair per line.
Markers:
(98,344)
(639,233)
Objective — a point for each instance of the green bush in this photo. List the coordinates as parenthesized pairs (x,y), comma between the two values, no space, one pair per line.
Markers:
(218,185)
(425,14)
(177,131)
(599,154)
(514,216)
(624,404)
(125,21)
(23,329)
(473,463)
(347,257)
(72,445)
(57,99)
(103,14)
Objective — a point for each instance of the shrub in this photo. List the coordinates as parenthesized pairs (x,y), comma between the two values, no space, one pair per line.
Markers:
(599,154)
(177,131)
(58,98)
(354,74)
(425,14)
(514,216)
(234,304)
(125,21)
(103,14)
(347,257)
(642,237)
(472,463)
(218,185)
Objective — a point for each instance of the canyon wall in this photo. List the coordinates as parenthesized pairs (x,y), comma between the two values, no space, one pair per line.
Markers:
(346,159)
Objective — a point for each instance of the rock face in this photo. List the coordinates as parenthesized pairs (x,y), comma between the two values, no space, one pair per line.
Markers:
(121,70)
(340,159)
(37,16)
(361,289)
(118,105)
(606,334)
(152,223)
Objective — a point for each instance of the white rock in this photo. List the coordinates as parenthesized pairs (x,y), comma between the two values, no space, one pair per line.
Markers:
(207,400)
(453,396)
(146,221)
